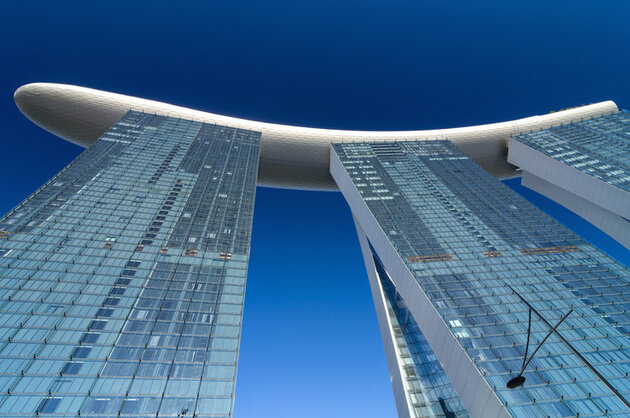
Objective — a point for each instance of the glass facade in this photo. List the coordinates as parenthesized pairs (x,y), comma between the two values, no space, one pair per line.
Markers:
(475,248)
(122,279)
(598,147)
(429,390)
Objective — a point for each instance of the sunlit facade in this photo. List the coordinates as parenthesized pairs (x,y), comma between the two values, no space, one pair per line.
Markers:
(122,279)
(459,256)
(585,166)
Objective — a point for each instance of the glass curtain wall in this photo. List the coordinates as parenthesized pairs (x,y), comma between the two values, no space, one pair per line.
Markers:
(480,254)
(122,279)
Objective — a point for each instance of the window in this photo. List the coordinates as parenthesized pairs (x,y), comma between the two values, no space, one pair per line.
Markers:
(104,312)
(103,406)
(89,337)
(81,352)
(97,324)
(72,367)
(54,308)
(48,405)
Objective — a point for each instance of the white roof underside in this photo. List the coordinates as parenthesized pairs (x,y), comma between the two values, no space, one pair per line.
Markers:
(291,157)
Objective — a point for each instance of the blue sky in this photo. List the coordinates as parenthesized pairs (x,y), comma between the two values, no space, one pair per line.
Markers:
(311,346)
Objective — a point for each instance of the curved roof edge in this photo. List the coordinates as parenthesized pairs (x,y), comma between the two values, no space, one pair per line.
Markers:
(291,156)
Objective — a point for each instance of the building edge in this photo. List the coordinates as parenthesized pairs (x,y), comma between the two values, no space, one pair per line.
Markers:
(291,157)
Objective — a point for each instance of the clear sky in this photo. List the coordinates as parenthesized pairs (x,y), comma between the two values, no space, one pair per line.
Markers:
(311,345)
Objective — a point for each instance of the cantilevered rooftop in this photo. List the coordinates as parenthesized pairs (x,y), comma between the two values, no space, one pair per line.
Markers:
(291,156)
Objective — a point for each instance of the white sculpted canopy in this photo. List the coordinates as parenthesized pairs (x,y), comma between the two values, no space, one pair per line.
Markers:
(291,157)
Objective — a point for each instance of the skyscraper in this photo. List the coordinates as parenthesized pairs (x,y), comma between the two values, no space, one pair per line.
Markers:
(584,166)
(124,276)
(468,257)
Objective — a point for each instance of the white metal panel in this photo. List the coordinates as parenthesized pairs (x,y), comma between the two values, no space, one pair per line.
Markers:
(458,367)
(612,224)
(580,183)
(403,404)
(290,156)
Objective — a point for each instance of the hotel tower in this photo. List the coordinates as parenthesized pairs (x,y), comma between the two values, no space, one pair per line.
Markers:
(122,278)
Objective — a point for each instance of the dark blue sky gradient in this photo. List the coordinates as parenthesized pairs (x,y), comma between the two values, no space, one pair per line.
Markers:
(311,346)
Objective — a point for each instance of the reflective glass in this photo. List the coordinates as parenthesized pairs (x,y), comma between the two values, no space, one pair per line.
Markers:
(473,246)
(123,278)
(598,146)
(429,390)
